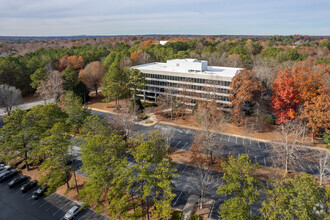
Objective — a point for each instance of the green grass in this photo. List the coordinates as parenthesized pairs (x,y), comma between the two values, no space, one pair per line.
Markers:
(149,122)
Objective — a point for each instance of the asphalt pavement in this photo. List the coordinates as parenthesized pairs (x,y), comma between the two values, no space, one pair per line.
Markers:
(16,205)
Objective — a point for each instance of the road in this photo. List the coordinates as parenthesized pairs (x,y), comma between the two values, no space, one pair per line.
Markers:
(28,105)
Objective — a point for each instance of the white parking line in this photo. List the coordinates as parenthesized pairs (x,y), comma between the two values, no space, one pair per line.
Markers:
(211,209)
(31,190)
(221,137)
(55,203)
(250,142)
(38,200)
(258,144)
(265,162)
(61,208)
(228,138)
(265,145)
(243,140)
(177,144)
(184,145)
(236,140)
(184,169)
(177,198)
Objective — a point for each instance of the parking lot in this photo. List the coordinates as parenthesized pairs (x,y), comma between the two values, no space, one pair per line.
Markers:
(18,206)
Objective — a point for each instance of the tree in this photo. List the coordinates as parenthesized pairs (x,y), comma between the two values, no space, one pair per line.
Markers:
(208,117)
(9,97)
(37,76)
(123,123)
(285,99)
(245,87)
(317,113)
(154,171)
(297,198)
(92,75)
(243,188)
(76,112)
(289,135)
(136,81)
(93,126)
(51,88)
(204,182)
(101,156)
(114,83)
(56,147)
(70,78)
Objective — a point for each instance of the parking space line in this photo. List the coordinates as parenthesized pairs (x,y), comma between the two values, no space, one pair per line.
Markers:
(236,141)
(265,145)
(177,199)
(31,190)
(61,208)
(177,144)
(250,142)
(228,138)
(258,144)
(243,140)
(265,162)
(184,169)
(184,145)
(38,200)
(221,137)
(55,203)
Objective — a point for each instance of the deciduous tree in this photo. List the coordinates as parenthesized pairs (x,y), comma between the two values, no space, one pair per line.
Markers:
(285,99)
(245,87)
(9,97)
(92,75)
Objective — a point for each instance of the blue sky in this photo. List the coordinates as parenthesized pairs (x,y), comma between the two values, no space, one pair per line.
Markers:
(121,17)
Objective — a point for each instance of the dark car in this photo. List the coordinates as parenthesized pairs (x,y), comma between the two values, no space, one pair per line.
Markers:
(7,174)
(17,181)
(4,168)
(28,186)
(40,192)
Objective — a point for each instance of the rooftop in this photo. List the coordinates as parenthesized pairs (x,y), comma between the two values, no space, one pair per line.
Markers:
(188,66)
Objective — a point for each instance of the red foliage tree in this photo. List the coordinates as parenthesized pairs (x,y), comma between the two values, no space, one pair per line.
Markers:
(285,99)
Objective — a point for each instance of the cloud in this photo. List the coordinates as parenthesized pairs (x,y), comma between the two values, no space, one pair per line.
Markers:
(75,17)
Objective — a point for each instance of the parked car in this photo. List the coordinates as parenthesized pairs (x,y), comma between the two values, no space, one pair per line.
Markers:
(28,186)
(17,181)
(4,168)
(74,211)
(7,174)
(40,192)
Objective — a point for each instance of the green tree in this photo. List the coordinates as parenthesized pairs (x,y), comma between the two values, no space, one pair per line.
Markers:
(37,76)
(93,126)
(136,81)
(75,110)
(101,156)
(114,83)
(154,171)
(70,78)
(243,188)
(297,198)
(56,148)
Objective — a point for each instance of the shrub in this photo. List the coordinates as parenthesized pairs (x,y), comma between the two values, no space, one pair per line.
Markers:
(149,104)
(142,116)
(176,215)
(195,217)
(149,122)
(270,121)
(326,139)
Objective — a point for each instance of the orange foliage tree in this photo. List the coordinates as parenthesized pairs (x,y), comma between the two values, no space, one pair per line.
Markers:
(244,88)
(308,80)
(135,56)
(317,112)
(72,61)
(92,75)
(285,99)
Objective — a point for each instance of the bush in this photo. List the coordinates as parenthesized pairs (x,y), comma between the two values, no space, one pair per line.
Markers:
(149,104)
(176,215)
(326,139)
(149,122)
(195,217)
(270,121)
(142,116)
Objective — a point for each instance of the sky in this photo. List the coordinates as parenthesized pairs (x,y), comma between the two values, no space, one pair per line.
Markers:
(137,17)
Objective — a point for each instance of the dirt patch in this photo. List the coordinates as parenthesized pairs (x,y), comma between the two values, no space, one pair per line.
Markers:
(30,98)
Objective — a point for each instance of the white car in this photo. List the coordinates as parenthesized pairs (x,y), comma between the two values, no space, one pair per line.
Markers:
(74,211)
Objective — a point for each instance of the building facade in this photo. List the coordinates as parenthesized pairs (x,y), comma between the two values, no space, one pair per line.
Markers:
(189,78)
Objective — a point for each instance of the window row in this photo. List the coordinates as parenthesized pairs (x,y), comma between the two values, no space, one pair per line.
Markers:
(185,86)
(188,79)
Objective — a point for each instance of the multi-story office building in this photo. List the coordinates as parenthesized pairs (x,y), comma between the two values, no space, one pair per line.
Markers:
(191,78)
